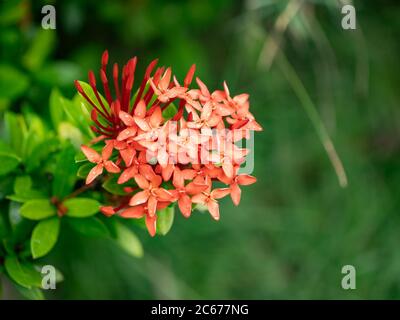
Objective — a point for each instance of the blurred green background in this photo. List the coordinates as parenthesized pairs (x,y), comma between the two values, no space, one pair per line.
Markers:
(296,227)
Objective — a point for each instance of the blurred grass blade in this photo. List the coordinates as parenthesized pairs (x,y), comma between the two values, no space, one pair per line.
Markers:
(312,113)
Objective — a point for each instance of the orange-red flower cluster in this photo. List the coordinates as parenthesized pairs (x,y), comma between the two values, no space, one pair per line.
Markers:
(176,157)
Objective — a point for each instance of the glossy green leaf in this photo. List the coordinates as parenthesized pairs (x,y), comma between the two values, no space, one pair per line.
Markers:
(22,273)
(40,48)
(91,226)
(56,109)
(67,131)
(58,73)
(30,294)
(165,220)
(44,237)
(38,209)
(12,82)
(15,131)
(35,134)
(22,184)
(84,170)
(169,112)
(8,163)
(3,227)
(81,207)
(65,172)
(128,241)
(112,186)
(41,152)
(89,92)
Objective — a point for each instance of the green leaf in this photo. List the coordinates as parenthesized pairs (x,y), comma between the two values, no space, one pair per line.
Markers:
(69,132)
(3,227)
(8,163)
(165,219)
(81,207)
(44,237)
(22,273)
(84,170)
(22,184)
(38,209)
(65,173)
(28,195)
(13,83)
(15,131)
(41,47)
(92,226)
(34,135)
(79,115)
(23,191)
(12,12)
(169,112)
(41,152)
(30,294)
(89,92)
(113,187)
(56,109)
(58,73)
(128,241)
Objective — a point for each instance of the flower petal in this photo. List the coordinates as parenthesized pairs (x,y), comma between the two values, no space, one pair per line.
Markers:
(178,180)
(107,150)
(127,133)
(94,173)
(220,193)
(194,188)
(151,224)
(152,206)
(227,166)
(245,179)
(235,194)
(111,167)
(91,154)
(126,118)
(142,124)
(163,194)
(199,198)
(127,174)
(213,208)
(185,205)
(140,109)
(156,118)
(136,212)
(141,181)
(139,198)
(127,155)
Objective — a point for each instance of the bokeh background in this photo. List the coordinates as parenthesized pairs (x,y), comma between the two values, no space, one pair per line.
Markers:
(311,84)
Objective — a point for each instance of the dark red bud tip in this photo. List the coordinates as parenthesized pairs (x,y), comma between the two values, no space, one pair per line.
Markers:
(104,58)
(78,86)
(129,83)
(92,79)
(115,70)
(189,75)
(117,107)
(93,115)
